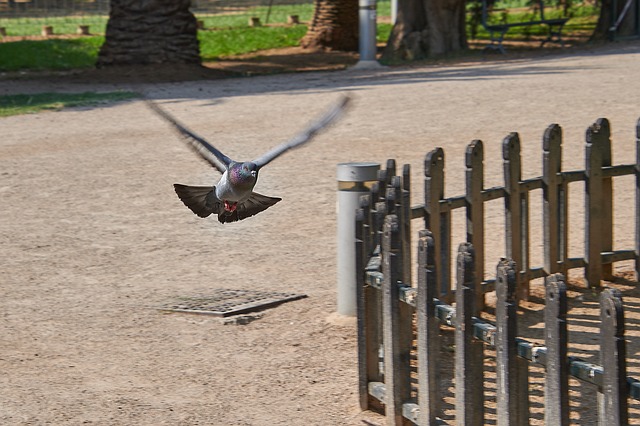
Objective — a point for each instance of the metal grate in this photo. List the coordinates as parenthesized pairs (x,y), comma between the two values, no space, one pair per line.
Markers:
(226,302)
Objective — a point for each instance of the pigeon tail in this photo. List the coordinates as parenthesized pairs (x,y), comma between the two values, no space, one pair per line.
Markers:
(201,200)
(254,205)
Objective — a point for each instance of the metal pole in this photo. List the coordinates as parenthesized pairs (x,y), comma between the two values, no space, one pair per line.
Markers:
(354,180)
(367,35)
(394,11)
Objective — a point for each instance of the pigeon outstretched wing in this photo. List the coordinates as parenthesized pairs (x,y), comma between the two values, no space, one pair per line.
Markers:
(203,148)
(306,135)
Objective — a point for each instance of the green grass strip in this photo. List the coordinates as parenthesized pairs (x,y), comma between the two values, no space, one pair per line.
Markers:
(54,54)
(236,41)
(29,104)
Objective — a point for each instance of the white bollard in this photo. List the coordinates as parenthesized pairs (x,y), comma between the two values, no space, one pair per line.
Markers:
(367,35)
(354,180)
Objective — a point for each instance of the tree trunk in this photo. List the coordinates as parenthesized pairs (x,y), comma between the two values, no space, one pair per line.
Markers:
(150,32)
(606,20)
(334,26)
(426,28)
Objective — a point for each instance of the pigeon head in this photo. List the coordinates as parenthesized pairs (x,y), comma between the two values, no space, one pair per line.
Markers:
(243,174)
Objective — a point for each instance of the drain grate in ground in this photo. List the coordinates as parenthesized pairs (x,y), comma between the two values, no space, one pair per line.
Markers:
(226,302)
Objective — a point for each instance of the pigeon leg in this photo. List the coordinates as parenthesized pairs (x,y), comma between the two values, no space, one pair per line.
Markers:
(230,207)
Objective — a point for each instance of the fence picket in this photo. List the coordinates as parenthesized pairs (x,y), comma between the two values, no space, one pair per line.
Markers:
(637,245)
(517,243)
(397,326)
(438,221)
(556,385)
(598,202)
(406,221)
(397,198)
(368,308)
(474,175)
(428,337)
(555,213)
(469,351)
(512,371)
(365,226)
(361,258)
(613,396)
(391,169)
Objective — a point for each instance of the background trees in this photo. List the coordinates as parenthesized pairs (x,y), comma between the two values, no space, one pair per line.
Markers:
(425,28)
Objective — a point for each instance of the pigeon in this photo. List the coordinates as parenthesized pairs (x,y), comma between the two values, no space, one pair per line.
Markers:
(233,198)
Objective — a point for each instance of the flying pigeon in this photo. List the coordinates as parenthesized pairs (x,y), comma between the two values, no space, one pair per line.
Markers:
(232,198)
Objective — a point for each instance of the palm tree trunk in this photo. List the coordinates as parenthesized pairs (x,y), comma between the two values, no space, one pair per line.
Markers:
(334,26)
(150,32)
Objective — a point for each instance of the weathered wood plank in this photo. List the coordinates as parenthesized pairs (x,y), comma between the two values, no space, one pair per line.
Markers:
(437,221)
(406,221)
(516,241)
(474,179)
(397,326)
(613,405)
(554,202)
(428,338)
(362,320)
(637,171)
(598,202)
(512,371)
(468,364)
(556,385)
(368,320)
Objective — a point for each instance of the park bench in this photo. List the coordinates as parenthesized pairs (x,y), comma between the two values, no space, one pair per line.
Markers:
(498,31)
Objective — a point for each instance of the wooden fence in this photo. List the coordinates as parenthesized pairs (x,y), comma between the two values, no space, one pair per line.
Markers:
(398,323)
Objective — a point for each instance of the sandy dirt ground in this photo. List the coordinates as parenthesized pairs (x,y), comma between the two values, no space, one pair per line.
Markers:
(93,239)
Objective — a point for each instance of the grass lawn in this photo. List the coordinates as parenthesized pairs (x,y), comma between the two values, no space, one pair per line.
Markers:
(28,104)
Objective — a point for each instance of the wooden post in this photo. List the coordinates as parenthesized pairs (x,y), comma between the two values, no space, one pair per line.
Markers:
(613,405)
(638,200)
(83,30)
(438,222)
(428,346)
(469,355)
(475,212)
(391,168)
(369,319)
(362,319)
(397,327)
(254,21)
(373,213)
(598,203)
(200,24)
(556,384)
(47,30)
(512,371)
(393,199)
(367,245)
(293,19)
(406,221)
(377,224)
(383,182)
(3,31)
(555,212)
(517,241)
(396,207)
